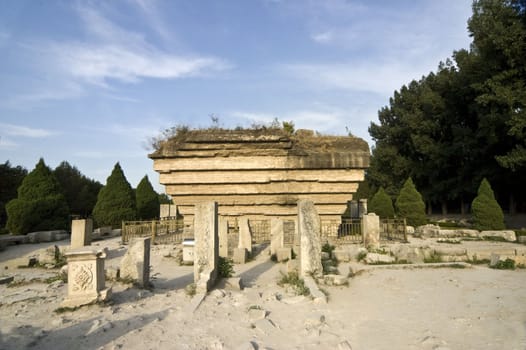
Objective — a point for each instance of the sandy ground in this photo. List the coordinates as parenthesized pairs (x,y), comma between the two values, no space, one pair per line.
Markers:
(473,308)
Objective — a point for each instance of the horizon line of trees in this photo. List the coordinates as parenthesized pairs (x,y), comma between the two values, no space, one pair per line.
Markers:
(45,199)
(464,122)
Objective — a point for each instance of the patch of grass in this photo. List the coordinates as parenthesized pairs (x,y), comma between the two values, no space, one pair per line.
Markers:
(294,280)
(254,307)
(274,258)
(457,266)
(477,261)
(507,264)
(226,267)
(433,258)
(57,277)
(190,289)
(361,256)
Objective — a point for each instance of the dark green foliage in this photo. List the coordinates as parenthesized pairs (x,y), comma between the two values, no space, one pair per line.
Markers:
(327,248)
(364,191)
(293,279)
(147,200)
(381,204)
(410,205)
(226,267)
(487,214)
(80,192)
(164,199)
(40,204)
(10,180)
(507,264)
(116,201)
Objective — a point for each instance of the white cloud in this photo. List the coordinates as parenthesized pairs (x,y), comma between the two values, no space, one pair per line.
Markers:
(24,131)
(323,37)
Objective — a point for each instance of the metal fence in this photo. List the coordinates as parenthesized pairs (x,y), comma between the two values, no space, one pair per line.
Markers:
(336,232)
(393,230)
(260,231)
(161,231)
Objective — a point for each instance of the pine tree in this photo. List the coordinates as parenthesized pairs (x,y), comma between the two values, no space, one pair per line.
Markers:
(116,201)
(147,200)
(487,213)
(410,205)
(381,204)
(40,204)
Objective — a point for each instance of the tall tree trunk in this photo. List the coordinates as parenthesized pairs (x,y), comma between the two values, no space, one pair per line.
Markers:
(444,208)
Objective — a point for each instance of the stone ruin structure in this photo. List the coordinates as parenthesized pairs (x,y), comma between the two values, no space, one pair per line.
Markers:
(261,173)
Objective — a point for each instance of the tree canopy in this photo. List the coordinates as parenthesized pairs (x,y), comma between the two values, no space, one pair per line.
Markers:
(10,179)
(147,200)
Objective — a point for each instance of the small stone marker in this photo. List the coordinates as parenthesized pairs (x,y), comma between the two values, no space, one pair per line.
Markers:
(136,262)
(86,282)
(206,250)
(309,230)
(276,235)
(371,230)
(81,233)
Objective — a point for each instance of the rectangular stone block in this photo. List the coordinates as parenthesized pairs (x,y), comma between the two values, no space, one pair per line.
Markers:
(206,250)
(276,235)
(188,251)
(240,255)
(223,237)
(371,230)
(136,262)
(341,255)
(81,233)
(245,237)
(309,227)
(284,254)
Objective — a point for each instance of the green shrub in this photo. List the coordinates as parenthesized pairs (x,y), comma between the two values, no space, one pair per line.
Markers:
(327,248)
(487,213)
(116,201)
(147,200)
(40,204)
(507,264)
(381,204)
(226,267)
(410,205)
(294,280)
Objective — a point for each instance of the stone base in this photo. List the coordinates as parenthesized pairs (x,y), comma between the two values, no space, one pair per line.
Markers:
(240,255)
(80,300)
(283,254)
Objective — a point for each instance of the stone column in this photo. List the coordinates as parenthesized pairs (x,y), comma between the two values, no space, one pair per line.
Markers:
(164,211)
(353,209)
(245,238)
(86,282)
(362,207)
(371,230)
(276,235)
(223,237)
(206,250)
(81,233)
(136,262)
(310,244)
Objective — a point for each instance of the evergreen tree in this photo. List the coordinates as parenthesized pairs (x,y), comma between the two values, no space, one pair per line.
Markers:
(116,201)
(147,200)
(40,204)
(487,214)
(10,180)
(410,205)
(381,204)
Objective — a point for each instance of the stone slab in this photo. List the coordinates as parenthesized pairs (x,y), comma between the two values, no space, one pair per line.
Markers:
(81,233)
(310,245)
(206,250)
(284,254)
(240,255)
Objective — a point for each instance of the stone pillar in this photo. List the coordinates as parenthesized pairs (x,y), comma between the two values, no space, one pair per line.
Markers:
(223,237)
(245,238)
(136,262)
(310,244)
(86,282)
(276,235)
(164,211)
(81,233)
(371,230)
(206,250)
(362,207)
(353,209)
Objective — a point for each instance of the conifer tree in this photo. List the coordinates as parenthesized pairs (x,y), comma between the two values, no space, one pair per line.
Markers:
(147,200)
(40,204)
(410,205)
(116,201)
(381,204)
(487,213)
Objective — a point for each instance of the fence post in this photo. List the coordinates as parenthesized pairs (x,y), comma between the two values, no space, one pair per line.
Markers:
(371,231)
(154,228)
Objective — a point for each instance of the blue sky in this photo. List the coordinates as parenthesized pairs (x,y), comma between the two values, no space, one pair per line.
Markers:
(91,81)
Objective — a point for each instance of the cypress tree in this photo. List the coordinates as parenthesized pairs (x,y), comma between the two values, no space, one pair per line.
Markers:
(410,205)
(116,201)
(381,204)
(40,204)
(147,200)
(487,213)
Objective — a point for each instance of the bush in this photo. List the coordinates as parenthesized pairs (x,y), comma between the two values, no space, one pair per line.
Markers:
(487,213)
(226,267)
(147,200)
(381,204)
(507,264)
(40,204)
(410,205)
(116,201)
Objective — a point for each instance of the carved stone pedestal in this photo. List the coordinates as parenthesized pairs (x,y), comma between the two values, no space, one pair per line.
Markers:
(86,282)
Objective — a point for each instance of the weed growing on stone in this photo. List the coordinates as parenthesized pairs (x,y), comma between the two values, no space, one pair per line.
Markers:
(226,267)
(361,256)
(294,280)
(433,258)
(191,289)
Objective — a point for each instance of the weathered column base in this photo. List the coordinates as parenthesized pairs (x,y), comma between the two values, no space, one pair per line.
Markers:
(86,281)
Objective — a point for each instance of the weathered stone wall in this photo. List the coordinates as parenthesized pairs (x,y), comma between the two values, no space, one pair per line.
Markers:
(261,172)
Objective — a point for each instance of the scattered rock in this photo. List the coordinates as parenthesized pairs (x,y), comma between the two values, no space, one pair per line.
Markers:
(255,314)
(374,258)
(344,345)
(410,230)
(6,280)
(314,320)
(231,283)
(293,300)
(265,326)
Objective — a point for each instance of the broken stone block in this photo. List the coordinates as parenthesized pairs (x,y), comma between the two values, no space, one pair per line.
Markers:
(371,230)
(283,254)
(310,245)
(135,264)
(81,233)
(86,283)
(6,280)
(375,258)
(255,314)
(507,235)
(240,255)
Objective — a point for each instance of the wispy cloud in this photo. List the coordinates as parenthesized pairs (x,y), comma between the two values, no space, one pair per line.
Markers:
(25,131)
(7,144)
